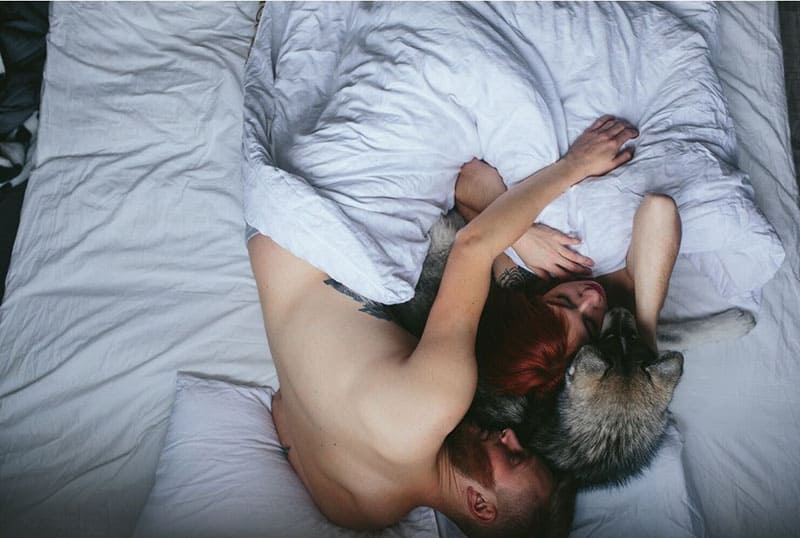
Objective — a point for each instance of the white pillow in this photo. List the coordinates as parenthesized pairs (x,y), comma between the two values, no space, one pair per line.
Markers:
(658,503)
(222,473)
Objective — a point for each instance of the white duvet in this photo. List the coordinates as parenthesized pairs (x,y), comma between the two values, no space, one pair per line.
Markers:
(358,117)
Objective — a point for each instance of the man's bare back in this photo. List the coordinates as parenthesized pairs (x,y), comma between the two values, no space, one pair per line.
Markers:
(345,449)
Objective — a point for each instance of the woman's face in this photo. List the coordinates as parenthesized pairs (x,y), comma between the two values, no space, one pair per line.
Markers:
(582,304)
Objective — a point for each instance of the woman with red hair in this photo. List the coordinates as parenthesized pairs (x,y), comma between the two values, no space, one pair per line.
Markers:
(521,344)
(532,323)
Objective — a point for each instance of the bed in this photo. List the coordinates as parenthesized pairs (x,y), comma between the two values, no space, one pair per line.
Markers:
(130,266)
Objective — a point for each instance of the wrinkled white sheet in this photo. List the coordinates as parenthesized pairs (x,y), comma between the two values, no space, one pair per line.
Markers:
(129,266)
(359,116)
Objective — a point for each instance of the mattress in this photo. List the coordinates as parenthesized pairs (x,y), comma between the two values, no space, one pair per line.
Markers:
(130,265)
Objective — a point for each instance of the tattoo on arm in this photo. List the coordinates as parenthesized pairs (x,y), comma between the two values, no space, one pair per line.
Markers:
(376,310)
(515,278)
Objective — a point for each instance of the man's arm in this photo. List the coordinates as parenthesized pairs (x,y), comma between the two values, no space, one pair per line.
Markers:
(641,287)
(445,356)
(442,370)
(544,250)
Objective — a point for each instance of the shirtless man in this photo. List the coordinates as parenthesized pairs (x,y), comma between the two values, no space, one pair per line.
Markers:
(365,409)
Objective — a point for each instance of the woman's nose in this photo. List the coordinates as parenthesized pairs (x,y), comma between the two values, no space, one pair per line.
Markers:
(590,299)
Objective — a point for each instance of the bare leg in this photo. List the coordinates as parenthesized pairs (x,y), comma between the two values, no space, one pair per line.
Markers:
(477,186)
(651,257)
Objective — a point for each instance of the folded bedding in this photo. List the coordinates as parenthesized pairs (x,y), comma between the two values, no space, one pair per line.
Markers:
(358,118)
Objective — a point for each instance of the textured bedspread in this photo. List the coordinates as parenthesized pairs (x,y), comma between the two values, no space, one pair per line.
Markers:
(357,117)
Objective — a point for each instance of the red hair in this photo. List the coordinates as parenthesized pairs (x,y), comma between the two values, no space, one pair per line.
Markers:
(521,344)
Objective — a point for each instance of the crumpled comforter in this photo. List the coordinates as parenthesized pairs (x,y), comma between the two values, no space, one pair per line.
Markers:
(358,117)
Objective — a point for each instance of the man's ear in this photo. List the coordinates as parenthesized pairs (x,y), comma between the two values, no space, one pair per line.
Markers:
(480,508)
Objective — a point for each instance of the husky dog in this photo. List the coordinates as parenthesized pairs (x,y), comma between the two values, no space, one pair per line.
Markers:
(413,314)
(608,419)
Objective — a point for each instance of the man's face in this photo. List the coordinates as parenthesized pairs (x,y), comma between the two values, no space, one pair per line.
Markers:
(497,460)
(514,468)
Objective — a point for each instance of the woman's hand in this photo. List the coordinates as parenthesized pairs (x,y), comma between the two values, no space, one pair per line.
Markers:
(597,150)
(546,251)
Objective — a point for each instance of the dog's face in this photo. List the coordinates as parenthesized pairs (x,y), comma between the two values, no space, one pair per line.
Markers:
(613,409)
(620,364)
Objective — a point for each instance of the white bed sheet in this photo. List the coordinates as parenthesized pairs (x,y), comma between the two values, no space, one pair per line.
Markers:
(129,266)
(129,263)
(738,403)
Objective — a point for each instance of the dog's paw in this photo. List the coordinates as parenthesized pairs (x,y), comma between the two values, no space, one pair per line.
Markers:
(725,325)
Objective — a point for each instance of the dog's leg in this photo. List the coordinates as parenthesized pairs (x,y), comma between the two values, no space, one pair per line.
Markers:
(685,334)
(413,314)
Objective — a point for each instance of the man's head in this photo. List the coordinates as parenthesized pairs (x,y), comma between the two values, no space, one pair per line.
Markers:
(503,489)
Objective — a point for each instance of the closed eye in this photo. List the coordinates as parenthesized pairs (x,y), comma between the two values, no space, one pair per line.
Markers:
(592,329)
(566,301)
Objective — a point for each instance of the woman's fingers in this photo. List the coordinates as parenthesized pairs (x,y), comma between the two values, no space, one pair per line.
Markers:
(577,258)
(575,268)
(572,267)
(562,238)
(541,273)
(559,272)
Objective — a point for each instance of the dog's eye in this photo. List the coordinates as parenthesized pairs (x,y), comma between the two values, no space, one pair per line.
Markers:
(570,372)
(647,373)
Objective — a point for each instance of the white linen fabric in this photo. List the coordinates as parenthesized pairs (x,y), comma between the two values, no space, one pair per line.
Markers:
(222,472)
(128,263)
(359,117)
(633,507)
(129,266)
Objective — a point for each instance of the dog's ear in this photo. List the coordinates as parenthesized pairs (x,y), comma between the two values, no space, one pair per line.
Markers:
(588,363)
(667,370)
